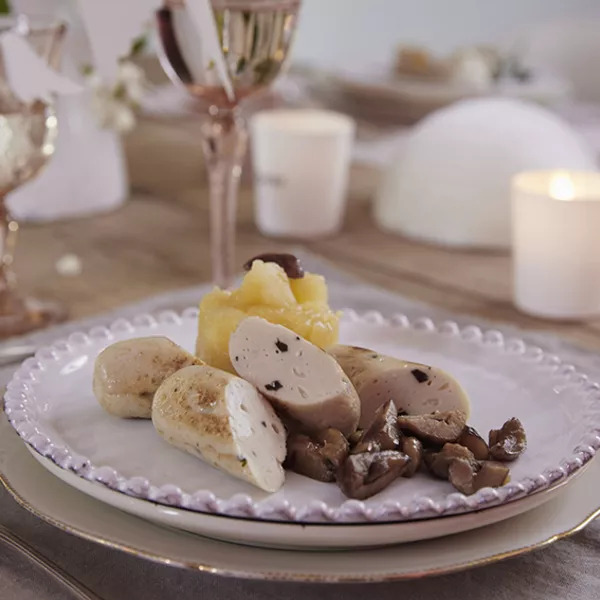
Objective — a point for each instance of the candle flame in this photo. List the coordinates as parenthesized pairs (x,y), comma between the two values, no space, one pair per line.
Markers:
(562,186)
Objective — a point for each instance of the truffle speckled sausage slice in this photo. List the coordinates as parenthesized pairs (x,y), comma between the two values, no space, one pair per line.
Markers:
(301,380)
(414,388)
(223,420)
(127,374)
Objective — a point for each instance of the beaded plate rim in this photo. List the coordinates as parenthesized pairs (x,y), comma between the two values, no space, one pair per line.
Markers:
(20,401)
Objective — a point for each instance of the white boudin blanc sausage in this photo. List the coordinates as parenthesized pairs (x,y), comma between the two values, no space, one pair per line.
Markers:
(414,388)
(301,380)
(223,420)
(127,374)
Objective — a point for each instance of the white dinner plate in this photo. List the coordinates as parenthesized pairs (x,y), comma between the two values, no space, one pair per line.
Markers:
(51,405)
(64,507)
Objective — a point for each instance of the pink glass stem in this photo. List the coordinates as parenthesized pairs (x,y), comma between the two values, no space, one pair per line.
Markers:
(224,141)
(8,238)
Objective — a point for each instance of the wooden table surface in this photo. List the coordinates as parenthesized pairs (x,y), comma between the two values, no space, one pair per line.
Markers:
(157,243)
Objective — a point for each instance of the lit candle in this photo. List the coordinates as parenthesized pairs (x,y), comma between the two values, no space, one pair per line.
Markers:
(556,243)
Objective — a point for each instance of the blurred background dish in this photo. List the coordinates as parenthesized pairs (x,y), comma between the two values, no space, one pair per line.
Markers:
(378,95)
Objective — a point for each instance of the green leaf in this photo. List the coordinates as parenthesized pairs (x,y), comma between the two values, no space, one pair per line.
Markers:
(138,45)
(266,70)
(241,65)
(4,7)
(87,70)
(120,91)
(254,39)
(220,23)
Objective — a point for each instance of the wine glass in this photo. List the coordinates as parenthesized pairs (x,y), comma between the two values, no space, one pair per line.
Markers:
(27,133)
(255,37)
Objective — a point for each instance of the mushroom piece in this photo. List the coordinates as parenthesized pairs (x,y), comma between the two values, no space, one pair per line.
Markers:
(468,477)
(355,437)
(461,475)
(364,475)
(317,457)
(470,439)
(508,442)
(491,474)
(439,462)
(413,448)
(437,427)
(383,433)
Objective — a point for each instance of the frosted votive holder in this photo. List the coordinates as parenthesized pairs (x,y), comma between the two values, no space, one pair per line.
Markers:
(301,167)
(556,243)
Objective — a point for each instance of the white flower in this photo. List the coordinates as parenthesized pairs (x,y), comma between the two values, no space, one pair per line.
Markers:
(94,80)
(123,118)
(112,112)
(132,79)
(114,105)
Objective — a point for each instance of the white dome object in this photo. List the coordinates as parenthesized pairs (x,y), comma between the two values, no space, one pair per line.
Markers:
(451,183)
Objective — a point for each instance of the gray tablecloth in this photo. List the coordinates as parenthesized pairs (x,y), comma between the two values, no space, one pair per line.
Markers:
(570,569)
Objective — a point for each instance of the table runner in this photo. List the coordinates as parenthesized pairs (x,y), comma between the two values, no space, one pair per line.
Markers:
(570,569)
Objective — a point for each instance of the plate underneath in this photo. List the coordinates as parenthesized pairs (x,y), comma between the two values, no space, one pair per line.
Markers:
(63,506)
(314,536)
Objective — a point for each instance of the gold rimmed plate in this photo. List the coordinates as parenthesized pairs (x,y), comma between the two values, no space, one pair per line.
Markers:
(77,513)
